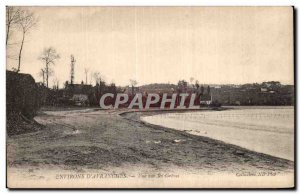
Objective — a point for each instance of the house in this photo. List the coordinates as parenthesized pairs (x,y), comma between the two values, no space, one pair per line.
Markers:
(206,99)
(80,99)
(263,89)
(79,94)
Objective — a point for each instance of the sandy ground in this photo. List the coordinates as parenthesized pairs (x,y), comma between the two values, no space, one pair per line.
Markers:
(104,142)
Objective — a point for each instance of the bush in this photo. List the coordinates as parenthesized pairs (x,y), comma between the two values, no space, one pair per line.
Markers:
(21,95)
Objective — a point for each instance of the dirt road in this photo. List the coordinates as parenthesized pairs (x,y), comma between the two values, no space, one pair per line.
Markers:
(83,140)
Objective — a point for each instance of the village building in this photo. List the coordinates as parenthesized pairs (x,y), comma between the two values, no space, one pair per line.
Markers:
(79,94)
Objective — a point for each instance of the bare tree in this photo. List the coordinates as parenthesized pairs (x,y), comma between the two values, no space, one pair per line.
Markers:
(208,90)
(133,83)
(12,19)
(55,83)
(97,77)
(91,77)
(86,70)
(192,80)
(49,56)
(201,90)
(182,85)
(42,74)
(26,21)
(197,84)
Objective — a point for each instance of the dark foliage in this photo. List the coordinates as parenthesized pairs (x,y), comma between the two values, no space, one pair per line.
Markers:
(21,94)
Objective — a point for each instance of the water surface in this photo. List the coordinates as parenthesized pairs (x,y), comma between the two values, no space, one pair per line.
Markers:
(268,130)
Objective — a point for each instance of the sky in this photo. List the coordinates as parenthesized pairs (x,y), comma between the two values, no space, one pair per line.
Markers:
(214,45)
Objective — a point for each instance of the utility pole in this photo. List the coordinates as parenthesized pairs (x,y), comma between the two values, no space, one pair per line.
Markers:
(86,70)
(72,68)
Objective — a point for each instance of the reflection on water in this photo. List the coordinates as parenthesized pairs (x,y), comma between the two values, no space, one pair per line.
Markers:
(267,130)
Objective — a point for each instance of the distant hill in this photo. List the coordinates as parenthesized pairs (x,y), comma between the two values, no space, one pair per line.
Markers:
(265,93)
(158,86)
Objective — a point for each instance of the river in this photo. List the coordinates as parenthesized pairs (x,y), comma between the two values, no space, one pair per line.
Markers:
(268,130)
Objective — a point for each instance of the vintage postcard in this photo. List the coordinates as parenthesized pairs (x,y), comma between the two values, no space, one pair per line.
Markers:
(150,97)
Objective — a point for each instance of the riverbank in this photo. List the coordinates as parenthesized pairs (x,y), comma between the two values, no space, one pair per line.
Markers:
(82,141)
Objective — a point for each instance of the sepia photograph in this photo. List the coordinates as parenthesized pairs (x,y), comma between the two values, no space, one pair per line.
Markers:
(150,97)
